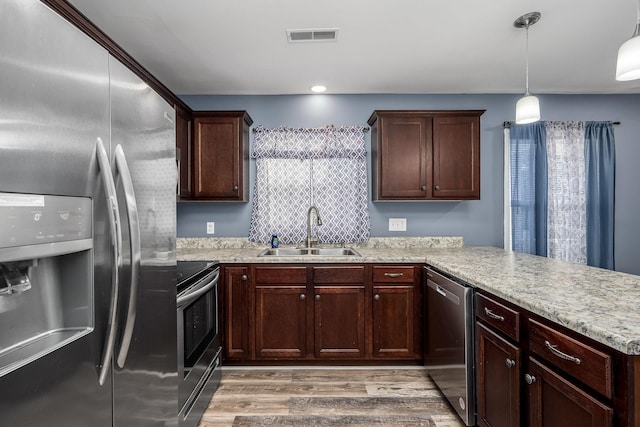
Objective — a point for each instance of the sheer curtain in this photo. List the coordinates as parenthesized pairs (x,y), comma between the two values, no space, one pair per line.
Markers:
(566,214)
(561,198)
(297,168)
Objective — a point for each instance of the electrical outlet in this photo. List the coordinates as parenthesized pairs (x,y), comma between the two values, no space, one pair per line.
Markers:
(397,224)
(211,229)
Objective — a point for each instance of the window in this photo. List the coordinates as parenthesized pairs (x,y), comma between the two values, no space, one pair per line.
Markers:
(299,168)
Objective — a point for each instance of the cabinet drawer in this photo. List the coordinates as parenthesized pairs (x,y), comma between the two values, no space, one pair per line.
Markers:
(280,275)
(338,275)
(499,316)
(576,358)
(393,274)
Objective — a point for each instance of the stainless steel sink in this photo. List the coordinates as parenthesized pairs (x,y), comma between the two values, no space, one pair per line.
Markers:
(283,252)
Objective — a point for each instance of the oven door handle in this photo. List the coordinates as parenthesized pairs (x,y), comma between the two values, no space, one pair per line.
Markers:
(201,288)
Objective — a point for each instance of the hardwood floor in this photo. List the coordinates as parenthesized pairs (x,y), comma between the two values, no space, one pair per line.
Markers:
(328,397)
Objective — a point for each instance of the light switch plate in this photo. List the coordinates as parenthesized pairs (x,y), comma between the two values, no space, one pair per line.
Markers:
(397,224)
(211,229)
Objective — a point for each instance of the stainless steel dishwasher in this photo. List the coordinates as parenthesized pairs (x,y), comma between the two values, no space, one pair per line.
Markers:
(449,341)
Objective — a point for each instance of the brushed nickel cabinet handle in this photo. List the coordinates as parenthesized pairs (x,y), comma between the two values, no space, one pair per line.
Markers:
(317,297)
(235,188)
(423,188)
(393,274)
(303,296)
(437,187)
(510,363)
(492,315)
(554,350)
(529,379)
(376,297)
(244,277)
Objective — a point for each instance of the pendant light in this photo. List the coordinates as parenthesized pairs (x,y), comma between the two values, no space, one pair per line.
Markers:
(628,67)
(527,107)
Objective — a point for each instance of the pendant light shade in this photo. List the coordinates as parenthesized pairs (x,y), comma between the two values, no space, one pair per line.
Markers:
(527,110)
(628,67)
(527,107)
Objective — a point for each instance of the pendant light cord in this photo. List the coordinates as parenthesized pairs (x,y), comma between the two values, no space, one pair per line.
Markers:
(527,59)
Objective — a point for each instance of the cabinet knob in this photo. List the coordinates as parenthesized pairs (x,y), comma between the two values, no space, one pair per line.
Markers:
(303,296)
(529,379)
(317,297)
(376,297)
(244,277)
(423,188)
(437,187)
(510,363)
(235,188)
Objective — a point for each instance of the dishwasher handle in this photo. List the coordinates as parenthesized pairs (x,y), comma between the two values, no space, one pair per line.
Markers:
(443,292)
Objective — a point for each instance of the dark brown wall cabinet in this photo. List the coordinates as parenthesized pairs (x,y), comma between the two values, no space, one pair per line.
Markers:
(425,155)
(221,155)
(184,152)
(535,373)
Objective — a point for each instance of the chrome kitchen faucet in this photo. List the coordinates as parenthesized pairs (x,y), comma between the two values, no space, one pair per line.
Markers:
(318,222)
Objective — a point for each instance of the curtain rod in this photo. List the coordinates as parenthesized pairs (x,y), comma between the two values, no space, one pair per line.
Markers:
(508,124)
(364,128)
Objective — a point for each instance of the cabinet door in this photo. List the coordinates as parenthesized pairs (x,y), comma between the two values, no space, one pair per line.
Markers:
(456,157)
(220,158)
(339,321)
(281,322)
(556,402)
(184,152)
(393,321)
(404,158)
(498,373)
(236,304)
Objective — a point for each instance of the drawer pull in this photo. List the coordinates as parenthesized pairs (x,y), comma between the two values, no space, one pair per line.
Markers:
(393,274)
(492,315)
(554,350)
(376,297)
(303,296)
(510,363)
(529,379)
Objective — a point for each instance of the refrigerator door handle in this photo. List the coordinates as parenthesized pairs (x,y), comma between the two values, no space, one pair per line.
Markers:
(113,215)
(122,169)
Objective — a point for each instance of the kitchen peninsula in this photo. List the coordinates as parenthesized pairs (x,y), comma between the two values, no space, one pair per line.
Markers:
(590,310)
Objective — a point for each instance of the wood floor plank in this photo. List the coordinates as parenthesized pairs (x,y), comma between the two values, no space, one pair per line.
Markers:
(368,406)
(328,397)
(345,420)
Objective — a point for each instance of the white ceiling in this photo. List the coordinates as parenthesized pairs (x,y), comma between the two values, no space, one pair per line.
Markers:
(392,46)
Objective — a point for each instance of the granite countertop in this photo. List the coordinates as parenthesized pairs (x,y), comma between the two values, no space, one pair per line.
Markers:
(376,250)
(600,304)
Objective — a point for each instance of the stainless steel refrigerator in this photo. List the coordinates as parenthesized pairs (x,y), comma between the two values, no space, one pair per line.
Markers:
(87,232)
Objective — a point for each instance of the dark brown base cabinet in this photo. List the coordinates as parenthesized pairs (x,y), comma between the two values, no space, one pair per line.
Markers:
(534,373)
(499,380)
(299,312)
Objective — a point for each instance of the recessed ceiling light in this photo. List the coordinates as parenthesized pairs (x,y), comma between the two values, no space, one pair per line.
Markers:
(318,89)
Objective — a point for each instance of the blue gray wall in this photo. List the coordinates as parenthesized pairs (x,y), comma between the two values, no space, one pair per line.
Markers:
(478,221)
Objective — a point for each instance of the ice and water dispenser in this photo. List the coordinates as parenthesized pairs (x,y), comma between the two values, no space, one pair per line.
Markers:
(46,275)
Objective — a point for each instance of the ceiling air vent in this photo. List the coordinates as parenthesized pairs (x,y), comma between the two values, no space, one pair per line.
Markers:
(314,35)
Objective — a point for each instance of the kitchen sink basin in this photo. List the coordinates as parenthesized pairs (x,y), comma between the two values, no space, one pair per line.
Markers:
(283,252)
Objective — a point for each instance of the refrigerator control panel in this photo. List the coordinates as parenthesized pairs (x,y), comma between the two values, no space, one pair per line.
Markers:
(32,219)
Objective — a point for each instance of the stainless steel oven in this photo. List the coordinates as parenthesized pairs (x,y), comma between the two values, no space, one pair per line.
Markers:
(199,341)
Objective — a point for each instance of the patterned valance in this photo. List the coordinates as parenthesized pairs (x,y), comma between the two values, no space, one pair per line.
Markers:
(329,142)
